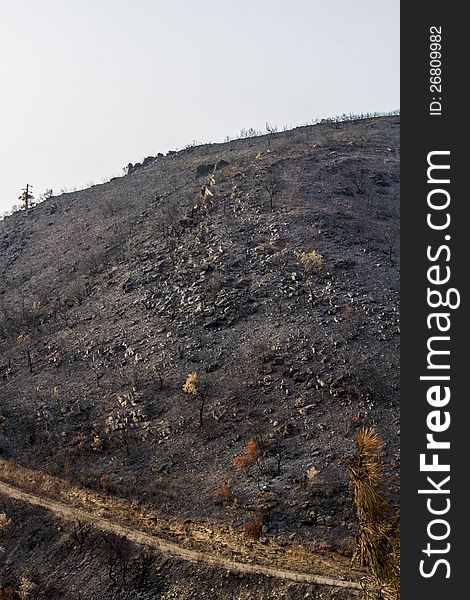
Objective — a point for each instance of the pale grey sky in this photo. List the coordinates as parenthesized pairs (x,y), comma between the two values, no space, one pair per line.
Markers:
(90,85)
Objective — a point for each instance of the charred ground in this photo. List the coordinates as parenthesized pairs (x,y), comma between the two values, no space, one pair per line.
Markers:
(111,296)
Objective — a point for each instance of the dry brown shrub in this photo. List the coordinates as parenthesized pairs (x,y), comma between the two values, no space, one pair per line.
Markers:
(252,451)
(97,444)
(105,483)
(251,455)
(222,494)
(254,527)
(241,462)
(378,534)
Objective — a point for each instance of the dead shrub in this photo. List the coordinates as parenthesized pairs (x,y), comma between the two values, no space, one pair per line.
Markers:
(92,263)
(254,527)
(378,534)
(311,262)
(4,520)
(312,474)
(349,311)
(252,454)
(194,387)
(222,494)
(190,385)
(80,534)
(352,320)
(117,551)
(78,290)
(24,341)
(105,483)
(241,462)
(26,589)
(252,451)
(97,444)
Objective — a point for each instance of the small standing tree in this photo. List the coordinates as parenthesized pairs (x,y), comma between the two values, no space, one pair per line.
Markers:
(46,195)
(26,197)
(80,533)
(351,320)
(143,565)
(214,286)
(4,521)
(24,341)
(78,290)
(272,188)
(390,237)
(272,130)
(312,264)
(193,387)
(117,551)
(158,370)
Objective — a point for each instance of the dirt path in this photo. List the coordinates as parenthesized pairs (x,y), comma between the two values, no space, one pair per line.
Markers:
(71,513)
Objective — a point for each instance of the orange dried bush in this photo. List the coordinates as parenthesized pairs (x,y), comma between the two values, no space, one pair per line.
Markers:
(222,494)
(251,455)
(252,451)
(241,462)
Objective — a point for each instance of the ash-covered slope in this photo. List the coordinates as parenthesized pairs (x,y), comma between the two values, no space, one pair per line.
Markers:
(111,296)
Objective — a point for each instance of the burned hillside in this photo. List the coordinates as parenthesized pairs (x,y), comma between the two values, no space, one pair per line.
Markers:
(204,335)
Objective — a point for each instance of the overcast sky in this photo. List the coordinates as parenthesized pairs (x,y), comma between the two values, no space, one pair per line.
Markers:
(90,85)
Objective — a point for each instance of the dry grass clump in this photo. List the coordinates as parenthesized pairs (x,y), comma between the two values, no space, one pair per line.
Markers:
(312,474)
(311,261)
(4,520)
(26,588)
(190,385)
(378,534)
(312,264)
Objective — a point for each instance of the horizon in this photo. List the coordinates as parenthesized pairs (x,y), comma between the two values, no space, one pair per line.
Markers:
(167,75)
(244,134)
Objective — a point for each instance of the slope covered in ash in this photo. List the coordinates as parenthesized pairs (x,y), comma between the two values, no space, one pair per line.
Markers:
(269,267)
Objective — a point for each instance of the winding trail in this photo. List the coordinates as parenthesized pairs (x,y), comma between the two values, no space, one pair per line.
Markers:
(71,513)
